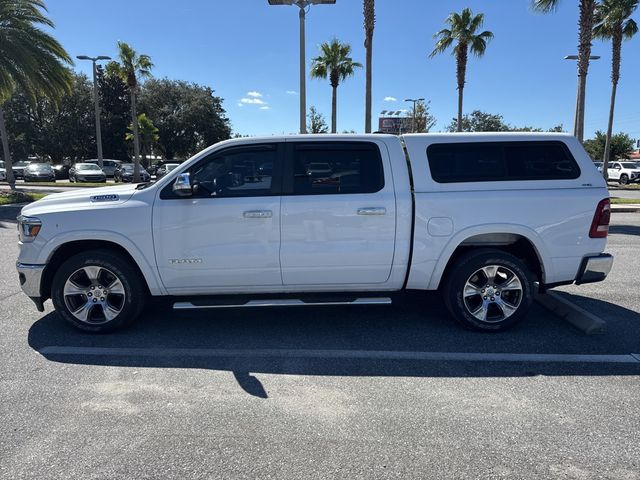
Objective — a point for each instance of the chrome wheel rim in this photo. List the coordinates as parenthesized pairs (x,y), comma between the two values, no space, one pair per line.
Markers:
(94,295)
(492,293)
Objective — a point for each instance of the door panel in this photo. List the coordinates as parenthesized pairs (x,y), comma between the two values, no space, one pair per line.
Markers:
(338,224)
(228,233)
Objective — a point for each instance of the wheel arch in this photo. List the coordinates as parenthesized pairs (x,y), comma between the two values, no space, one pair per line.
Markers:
(65,250)
(519,241)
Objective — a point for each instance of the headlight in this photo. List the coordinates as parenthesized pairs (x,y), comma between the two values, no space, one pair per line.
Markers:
(28,228)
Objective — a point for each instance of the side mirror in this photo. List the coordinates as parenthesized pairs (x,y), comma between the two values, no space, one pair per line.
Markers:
(182,185)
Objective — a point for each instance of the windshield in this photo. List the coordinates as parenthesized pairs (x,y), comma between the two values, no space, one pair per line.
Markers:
(170,166)
(128,167)
(87,166)
(38,167)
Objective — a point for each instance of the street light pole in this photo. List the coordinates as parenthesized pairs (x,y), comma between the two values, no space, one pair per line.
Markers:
(576,129)
(413,120)
(96,101)
(302,5)
(303,73)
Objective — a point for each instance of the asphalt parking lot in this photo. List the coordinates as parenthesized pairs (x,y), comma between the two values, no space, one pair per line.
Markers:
(327,392)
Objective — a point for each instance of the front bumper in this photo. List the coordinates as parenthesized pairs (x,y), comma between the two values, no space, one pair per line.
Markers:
(30,280)
(594,268)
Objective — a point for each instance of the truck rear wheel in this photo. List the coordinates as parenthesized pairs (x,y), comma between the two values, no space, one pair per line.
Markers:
(488,290)
(97,291)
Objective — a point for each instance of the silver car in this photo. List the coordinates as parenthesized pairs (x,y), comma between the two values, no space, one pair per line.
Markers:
(109,165)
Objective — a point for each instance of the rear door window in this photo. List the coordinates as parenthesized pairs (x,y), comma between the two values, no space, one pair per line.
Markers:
(325,168)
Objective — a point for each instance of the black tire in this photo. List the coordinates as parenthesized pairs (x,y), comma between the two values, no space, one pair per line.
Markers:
(129,304)
(624,179)
(509,300)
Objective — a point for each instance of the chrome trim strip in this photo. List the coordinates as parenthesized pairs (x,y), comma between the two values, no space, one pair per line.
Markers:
(285,302)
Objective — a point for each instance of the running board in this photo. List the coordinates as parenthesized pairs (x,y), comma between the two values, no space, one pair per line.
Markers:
(286,302)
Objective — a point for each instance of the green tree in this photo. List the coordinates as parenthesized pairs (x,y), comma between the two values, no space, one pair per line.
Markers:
(479,121)
(132,66)
(421,118)
(462,31)
(369,13)
(30,59)
(622,145)
(189,117)
(335,63)
(53,130)
(612,22)
(148,136)
(115,118)
(585,22)
(316,123)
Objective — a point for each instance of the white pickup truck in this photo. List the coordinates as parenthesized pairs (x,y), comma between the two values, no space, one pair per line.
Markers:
(486,219)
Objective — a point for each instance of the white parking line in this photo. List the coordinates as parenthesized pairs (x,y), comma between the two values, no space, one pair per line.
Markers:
(339,354)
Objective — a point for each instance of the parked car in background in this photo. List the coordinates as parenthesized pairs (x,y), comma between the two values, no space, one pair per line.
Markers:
(3,172)
(598,166)
(18,169)
(153,168)
(109,166)
(164,169)
(624,172)
(86,172)
(39,172)
(61,171)
(124,173)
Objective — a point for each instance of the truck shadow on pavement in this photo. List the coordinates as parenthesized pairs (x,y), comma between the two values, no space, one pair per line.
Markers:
(344,341)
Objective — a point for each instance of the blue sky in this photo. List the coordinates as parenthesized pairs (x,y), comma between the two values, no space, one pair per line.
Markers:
(246,49)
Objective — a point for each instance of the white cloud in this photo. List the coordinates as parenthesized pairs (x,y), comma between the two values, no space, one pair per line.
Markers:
(291,92)
(390,99)
(265,107)
(252,101)
(240,105)
(254,94)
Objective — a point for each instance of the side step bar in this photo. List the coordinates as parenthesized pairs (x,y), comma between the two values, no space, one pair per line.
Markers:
(285,302)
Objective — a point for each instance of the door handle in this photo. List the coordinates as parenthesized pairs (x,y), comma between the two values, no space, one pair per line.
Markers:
(372,211)
(258,214)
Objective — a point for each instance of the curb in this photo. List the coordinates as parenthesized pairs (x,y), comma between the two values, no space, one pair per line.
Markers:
(577,316)
(628,208)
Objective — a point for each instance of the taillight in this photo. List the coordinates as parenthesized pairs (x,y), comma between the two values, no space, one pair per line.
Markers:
(600,224)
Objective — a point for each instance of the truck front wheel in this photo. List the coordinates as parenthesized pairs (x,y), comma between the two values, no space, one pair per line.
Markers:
(488,290)
(97,291)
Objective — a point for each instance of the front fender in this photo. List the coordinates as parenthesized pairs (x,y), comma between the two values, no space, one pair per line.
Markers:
(148,268)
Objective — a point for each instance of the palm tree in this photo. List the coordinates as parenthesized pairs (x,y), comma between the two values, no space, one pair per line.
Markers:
(612,22)
(131,66)
(336,64)
(369,23)
(148,135)
(30,59)
(462,30)
(587,9)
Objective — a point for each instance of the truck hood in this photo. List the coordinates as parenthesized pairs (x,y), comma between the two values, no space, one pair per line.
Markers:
(81,199)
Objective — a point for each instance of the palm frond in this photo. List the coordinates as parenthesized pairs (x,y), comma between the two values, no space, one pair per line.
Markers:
(545,6)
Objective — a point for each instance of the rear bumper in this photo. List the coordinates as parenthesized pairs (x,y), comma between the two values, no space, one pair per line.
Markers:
(594,268)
